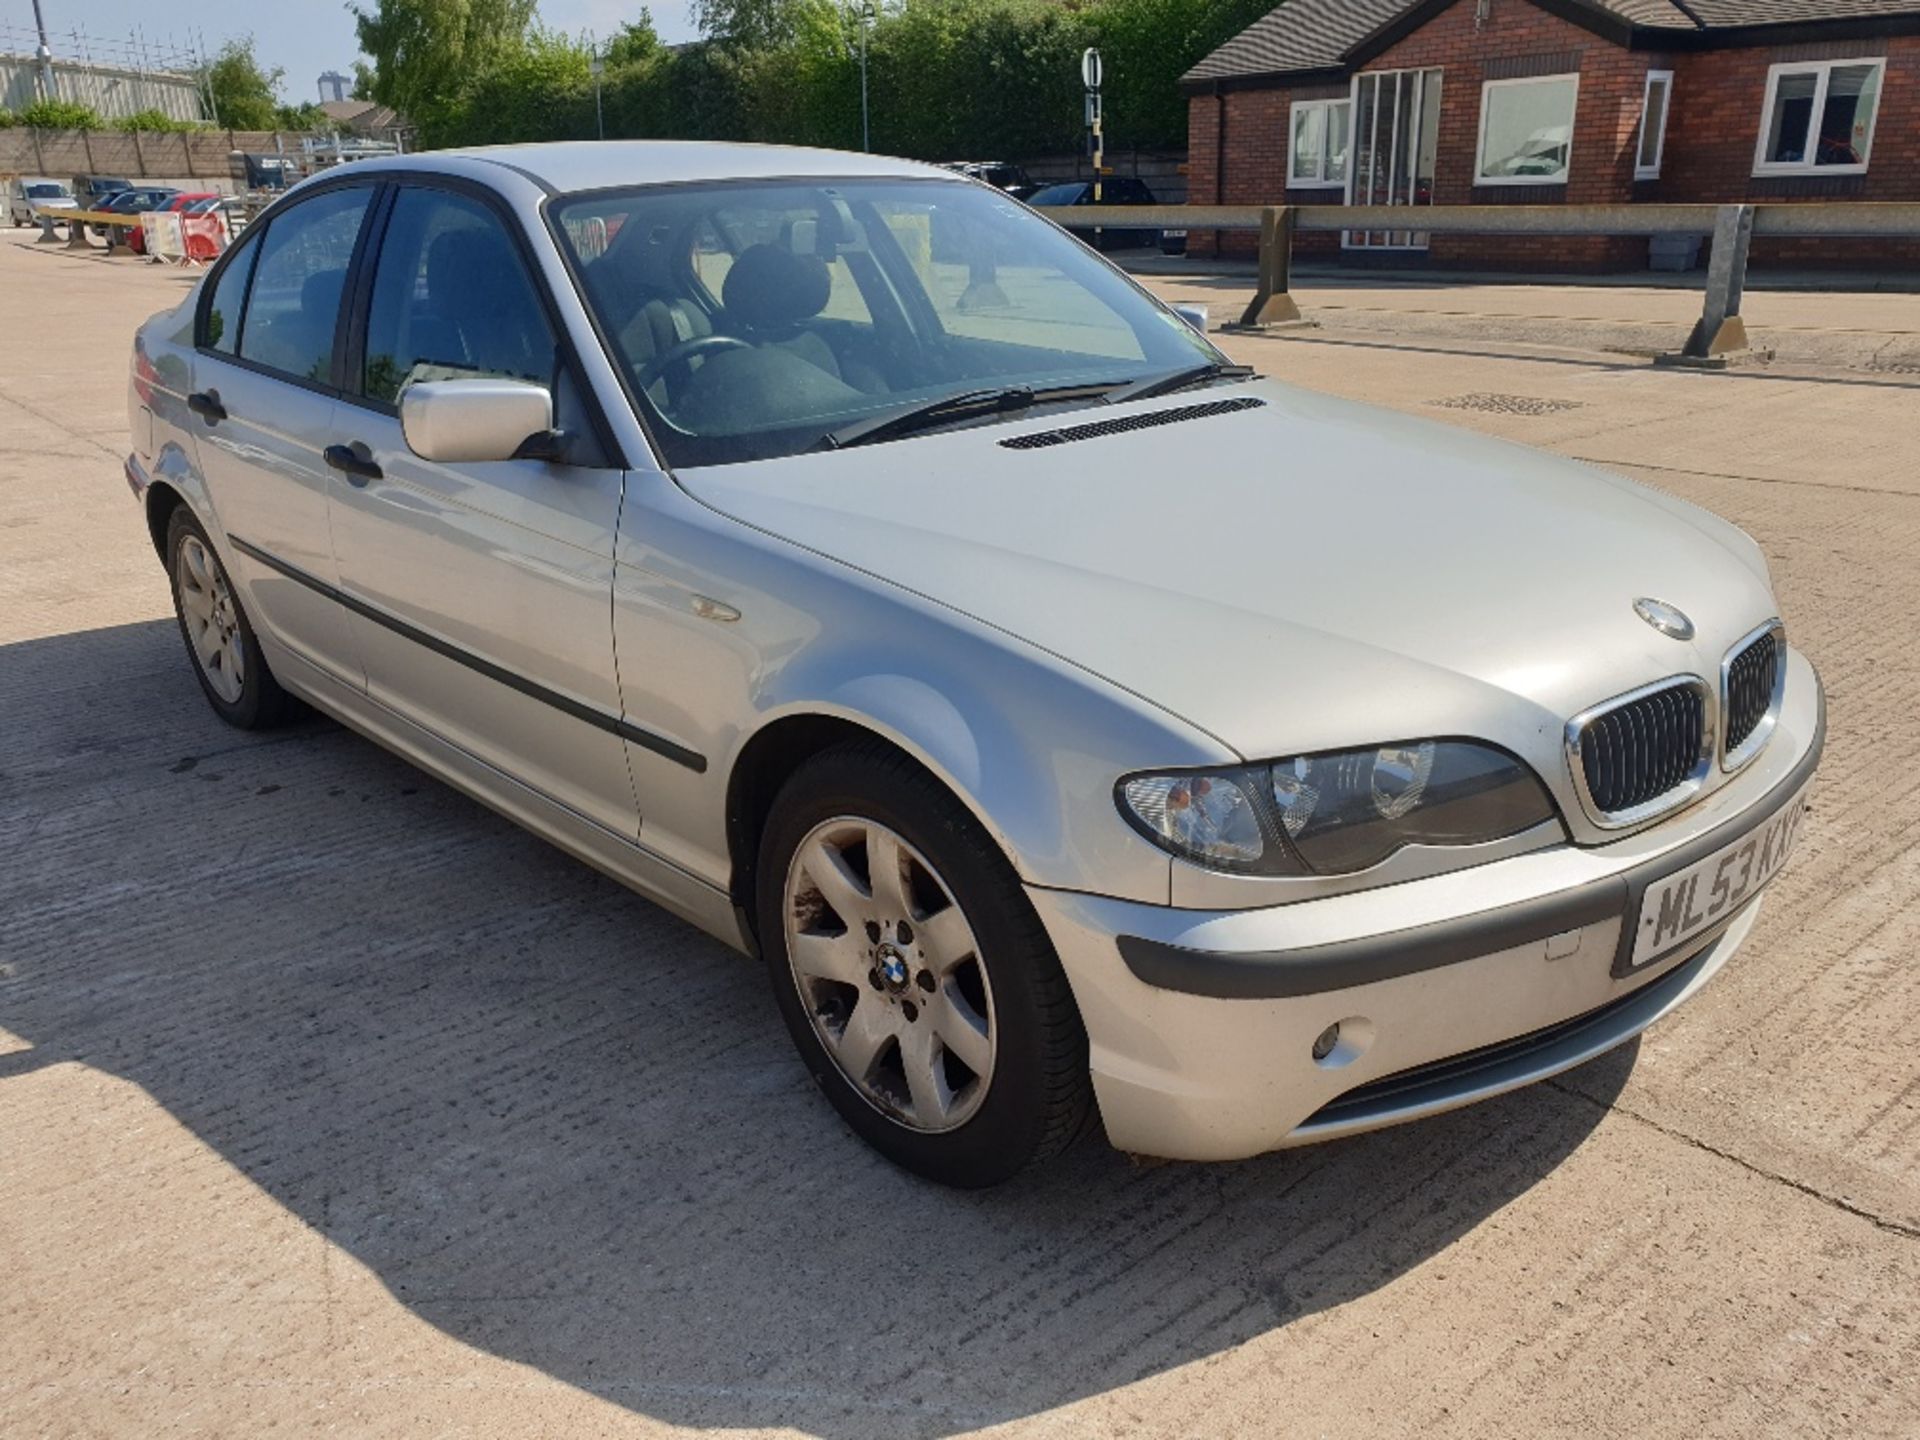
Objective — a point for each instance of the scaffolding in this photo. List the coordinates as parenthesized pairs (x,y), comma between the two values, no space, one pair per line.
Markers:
(114,75)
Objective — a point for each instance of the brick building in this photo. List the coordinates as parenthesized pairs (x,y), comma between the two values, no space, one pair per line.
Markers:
(1464,102)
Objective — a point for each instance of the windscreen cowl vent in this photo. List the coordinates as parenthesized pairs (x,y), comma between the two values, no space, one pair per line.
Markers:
(1120,424)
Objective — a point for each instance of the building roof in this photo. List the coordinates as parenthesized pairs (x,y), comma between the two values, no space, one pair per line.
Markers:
(1301,37)
(363,116)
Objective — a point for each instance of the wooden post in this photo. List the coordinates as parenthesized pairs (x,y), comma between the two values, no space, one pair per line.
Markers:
(1272,303)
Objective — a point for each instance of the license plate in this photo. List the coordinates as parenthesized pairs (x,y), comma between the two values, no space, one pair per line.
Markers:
(1174,234)
(1690,901)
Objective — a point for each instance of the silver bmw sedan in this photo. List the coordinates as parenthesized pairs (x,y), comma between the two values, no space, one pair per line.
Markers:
(849,560)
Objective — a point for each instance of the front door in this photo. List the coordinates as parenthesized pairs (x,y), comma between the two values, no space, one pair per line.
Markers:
(1396,143)
(263,381)
(482,593)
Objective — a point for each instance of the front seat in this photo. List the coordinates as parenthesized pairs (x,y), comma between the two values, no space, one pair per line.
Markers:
(770,294)
(480,314)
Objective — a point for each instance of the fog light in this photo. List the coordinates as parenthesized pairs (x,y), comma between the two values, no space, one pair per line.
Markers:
(1329,1038)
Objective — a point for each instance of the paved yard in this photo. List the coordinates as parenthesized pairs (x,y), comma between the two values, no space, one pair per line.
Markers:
(330,1103)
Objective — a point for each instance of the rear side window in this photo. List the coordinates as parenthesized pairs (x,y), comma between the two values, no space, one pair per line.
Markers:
(451,299)
(293,309)
(229,300)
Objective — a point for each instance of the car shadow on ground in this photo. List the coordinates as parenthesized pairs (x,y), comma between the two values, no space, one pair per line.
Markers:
(569,1130)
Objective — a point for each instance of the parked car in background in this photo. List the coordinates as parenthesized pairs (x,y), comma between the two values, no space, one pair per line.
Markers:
(29,193)
(91,190)
(133,202)
(1056,708)
(137,239)
(1114,190)
(1001,174)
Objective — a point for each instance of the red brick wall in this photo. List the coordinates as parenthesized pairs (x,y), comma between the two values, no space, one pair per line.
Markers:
(1719,97)
(1715,120)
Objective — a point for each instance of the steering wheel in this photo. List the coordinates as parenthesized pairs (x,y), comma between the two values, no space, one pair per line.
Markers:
(685,351)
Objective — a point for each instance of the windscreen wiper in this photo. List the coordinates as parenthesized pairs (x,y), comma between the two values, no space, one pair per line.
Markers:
(1178,380)
(967,405)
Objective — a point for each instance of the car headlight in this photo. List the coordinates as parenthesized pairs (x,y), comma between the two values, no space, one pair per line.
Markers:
(1339,811)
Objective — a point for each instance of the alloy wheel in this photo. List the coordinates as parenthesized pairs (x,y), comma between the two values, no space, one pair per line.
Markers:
(888,970)
(212,619)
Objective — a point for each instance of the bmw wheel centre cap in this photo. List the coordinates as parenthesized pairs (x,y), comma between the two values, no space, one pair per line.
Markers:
(1669,620)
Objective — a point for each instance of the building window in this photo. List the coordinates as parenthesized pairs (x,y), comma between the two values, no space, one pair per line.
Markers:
(1319,155)
(1526,130)
(1653,124)
(1819,117)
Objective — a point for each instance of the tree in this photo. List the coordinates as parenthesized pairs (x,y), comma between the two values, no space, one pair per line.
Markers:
(427,54)
(362,81)
(305,116)
(245,97)
(635,43)
(758,24)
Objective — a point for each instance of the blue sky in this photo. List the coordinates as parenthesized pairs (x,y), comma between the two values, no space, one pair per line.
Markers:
(303,37)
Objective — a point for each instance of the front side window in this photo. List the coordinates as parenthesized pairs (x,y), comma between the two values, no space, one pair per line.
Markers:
(770,318)
(1319,151)
(1653,124)
(451,300)
(1526,130)
(293,309)
(1819,117)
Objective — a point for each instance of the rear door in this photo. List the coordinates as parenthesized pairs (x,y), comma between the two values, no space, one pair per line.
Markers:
(482,593)
(265,386)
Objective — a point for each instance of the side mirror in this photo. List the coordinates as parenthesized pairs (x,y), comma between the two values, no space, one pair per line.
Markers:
(456,421)
(1194,315)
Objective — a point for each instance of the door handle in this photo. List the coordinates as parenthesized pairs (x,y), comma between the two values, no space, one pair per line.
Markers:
(354,461)
(206,404)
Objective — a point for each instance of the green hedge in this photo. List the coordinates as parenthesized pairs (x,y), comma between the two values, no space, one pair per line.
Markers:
(59,115)
(948,79)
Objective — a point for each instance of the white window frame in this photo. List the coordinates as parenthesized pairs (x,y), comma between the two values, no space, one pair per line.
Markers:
(1480,146)
(1652,172)
(1824,69)
(1318,180)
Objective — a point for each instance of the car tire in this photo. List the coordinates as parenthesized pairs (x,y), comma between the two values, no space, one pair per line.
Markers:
(979,1068)
(221,644)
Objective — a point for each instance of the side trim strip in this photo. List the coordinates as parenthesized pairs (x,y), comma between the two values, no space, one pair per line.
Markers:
(1316,969)
(579,710)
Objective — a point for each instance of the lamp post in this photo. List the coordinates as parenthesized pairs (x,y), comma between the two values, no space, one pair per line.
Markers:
(44,56)
(598,67)
(865,16)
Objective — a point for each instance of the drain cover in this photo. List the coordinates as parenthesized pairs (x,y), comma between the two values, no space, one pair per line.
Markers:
(1508,404)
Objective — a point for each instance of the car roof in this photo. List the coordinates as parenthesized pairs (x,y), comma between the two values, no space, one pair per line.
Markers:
(600,164)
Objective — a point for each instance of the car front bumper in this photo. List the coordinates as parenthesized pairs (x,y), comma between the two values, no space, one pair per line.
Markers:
(1447,990)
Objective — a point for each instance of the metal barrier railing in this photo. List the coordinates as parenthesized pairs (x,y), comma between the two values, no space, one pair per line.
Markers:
(1720,329)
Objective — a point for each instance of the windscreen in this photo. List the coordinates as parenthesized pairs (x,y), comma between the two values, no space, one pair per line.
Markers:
(757,319)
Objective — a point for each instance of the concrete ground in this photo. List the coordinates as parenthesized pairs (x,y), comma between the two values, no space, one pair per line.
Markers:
(331,1103)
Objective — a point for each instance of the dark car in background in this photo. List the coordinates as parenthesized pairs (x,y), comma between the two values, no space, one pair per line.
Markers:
(134,202)
(92,190)
(1114,190)
(1001,174)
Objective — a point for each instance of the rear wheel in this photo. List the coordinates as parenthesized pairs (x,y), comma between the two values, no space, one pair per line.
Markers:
(219,637)
(915,978)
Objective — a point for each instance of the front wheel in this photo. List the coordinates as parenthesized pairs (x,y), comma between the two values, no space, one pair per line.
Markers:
(914,976)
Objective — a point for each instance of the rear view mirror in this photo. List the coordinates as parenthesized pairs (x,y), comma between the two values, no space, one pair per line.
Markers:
(454,421)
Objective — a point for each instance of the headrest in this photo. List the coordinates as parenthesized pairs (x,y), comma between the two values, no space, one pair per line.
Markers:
(772,289)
